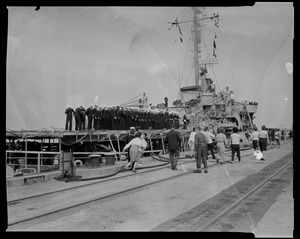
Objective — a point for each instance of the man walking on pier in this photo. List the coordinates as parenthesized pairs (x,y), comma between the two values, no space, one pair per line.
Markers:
(254,138)
(262,140)
(277,137)
(128,138)
(210,142)
(200,150)
(173,139)
(235,144)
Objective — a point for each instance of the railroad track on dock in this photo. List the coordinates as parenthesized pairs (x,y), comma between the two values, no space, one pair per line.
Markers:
(97,181)
(238,203)
(225,210)
(37,216)
(98,199)
(153,168)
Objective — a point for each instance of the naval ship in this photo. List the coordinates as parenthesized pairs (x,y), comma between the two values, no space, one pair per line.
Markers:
(198,104)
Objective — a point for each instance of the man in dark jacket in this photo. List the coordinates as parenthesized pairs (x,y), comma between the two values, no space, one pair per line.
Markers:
(83,114)
(107,120)
(113,118)
(173,139)
(101,118)
(166,101)
(90,114)
(166,120)
(200,149)
(69,117)
(95,113)
(78,122)
(98,113)
(118,114)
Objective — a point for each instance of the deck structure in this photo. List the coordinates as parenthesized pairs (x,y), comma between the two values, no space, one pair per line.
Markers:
(69,138)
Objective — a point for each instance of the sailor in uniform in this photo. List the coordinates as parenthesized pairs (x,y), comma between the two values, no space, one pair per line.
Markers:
(69,117)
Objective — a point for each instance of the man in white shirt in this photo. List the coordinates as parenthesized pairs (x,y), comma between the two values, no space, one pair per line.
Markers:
(137,146)
(210,141)
(191,141)
(254,138)
(235,144)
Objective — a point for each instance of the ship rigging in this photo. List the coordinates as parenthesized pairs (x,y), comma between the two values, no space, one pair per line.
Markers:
(200,102)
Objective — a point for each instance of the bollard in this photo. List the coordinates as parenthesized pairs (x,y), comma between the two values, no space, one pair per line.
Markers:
(94,160)
(110,158)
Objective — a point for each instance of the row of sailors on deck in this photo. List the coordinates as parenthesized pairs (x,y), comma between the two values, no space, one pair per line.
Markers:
(118,118)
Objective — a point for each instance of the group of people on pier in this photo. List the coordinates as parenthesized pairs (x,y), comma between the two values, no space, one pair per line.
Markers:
(203,140)
(118,118)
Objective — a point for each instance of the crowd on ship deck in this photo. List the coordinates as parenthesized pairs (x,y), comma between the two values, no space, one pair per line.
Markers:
(118,118)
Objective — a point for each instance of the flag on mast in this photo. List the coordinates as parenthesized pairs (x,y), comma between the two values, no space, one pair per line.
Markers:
(215,47)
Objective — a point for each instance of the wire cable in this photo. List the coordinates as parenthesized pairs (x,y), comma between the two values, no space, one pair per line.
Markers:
(131,99)
(184,62)
(134,101)
(212,65)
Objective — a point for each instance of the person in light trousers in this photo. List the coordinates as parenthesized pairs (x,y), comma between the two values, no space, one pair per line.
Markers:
(221,144)
(137,145)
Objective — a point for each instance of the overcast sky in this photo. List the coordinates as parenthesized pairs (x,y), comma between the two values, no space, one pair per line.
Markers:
(108,55)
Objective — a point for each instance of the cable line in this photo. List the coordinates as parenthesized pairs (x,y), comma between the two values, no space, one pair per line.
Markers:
(184,61)
(212,65)
(131,99)
(134,101)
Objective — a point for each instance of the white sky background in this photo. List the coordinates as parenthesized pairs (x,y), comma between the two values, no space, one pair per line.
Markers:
(70,55)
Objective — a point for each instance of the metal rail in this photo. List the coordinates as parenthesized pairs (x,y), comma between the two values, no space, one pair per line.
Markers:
(39,156)
(221,214)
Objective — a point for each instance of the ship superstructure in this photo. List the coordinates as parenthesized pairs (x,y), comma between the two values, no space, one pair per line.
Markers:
(201,103)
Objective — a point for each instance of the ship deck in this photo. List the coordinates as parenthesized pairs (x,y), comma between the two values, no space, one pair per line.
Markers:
(91,134)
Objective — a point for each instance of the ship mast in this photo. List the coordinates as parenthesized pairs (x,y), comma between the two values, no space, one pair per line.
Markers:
(197,45)
(197,32)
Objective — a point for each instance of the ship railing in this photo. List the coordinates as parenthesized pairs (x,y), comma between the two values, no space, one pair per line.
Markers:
(41,161)
(31,159)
